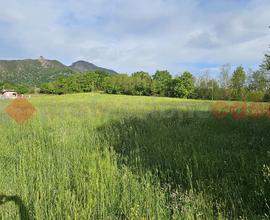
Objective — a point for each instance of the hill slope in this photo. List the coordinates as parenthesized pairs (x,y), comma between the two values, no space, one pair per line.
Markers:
(83,66)
(31,71)
(41,70)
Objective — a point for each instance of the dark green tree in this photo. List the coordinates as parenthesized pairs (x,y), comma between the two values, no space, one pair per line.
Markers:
(265,68)
(161,82)
(238,81)
(88,82)
(266,63)
(118,84)
(141,83)
(19,88)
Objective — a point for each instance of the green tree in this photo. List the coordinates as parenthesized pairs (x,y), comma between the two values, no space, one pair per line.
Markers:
(184,85)
(201,87)
(88,82)
(266,63)
(22,89)
(141,83)
(19,88)
(258,81)
(266,97)
(161,82)
(238,81)
(265,69)
(118,84)
(47,88)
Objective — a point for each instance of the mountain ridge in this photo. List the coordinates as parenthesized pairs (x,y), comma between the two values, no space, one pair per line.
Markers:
(84,66)
(41,70)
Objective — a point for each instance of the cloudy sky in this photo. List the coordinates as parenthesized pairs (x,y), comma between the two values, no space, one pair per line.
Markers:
(131,35)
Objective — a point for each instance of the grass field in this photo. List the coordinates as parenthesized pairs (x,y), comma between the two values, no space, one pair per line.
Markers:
(96,156)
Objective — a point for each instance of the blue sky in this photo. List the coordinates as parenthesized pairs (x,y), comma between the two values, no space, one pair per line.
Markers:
(132,35)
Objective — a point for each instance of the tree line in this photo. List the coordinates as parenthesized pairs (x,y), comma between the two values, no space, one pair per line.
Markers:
(139,83)
(229,85)
(20,88)
(238,85)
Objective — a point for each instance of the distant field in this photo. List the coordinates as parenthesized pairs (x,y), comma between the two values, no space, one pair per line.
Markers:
(97,156)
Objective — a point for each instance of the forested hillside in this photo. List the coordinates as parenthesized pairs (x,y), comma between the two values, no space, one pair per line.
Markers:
(32,72)
(41,70)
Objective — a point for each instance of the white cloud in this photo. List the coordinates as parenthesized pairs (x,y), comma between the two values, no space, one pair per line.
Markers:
(137,35)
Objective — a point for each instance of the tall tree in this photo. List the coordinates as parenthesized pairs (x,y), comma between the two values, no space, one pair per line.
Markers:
(202,86)
(224,78)
(238,81)
(161,82)
(266,63)
(265,68)
(184,86)
(224,81)
(141,83)
(258,81)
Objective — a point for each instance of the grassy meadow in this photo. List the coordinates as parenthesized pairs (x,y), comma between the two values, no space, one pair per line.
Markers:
(97,156)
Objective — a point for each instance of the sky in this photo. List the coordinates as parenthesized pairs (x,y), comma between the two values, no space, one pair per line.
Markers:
(135,35)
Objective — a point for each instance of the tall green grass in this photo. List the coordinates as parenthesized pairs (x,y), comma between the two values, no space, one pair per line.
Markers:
(92,156)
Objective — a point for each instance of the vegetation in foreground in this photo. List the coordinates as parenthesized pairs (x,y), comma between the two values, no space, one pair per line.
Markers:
(91,156)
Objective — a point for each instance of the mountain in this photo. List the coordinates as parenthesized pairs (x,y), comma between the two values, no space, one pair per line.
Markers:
(83,66)
(31,71)
(41,70)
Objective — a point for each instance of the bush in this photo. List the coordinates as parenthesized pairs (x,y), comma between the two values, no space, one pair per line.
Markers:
(254,96)
(266,97)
